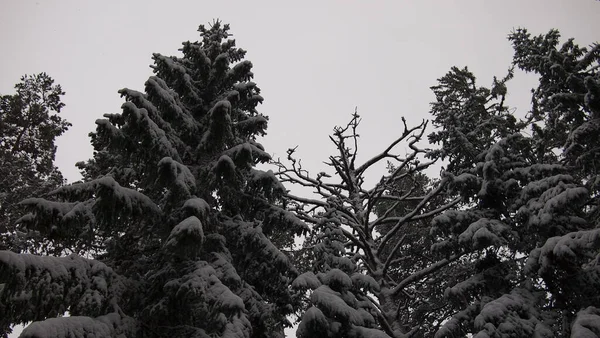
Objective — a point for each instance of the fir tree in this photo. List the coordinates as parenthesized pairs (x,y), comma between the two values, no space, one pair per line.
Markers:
(534,271)
(469,118)
(565,114)
(516,206)
(173,216)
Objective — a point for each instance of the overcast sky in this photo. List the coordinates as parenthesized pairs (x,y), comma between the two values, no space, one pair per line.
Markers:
(314,60)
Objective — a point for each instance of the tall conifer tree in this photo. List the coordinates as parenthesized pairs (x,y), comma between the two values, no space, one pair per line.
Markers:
(173,217)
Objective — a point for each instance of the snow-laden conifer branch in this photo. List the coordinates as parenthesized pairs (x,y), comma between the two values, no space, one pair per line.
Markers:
(106,326)
(587,323)
(38,287)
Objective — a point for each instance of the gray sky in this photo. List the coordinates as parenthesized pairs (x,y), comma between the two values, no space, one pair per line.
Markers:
(314,60)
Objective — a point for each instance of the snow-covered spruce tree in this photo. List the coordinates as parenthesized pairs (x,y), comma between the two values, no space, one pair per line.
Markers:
(565,115)
(469,118)
(534,266)
(566,104)
(29,124)
(172,216)
(514,207)
(354,287)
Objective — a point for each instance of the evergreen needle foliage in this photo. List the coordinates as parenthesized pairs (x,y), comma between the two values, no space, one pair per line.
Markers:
(168,234)
(29,125)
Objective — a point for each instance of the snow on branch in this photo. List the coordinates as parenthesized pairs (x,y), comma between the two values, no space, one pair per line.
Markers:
(37,287)
(105,126)
(102,202)
(253,242)
(242,71)
(485,232)
(67,225)
(153,137)
(197,207)
(565,251)
(454,326)
(587,323)
(252,125)
(305,281)
(238,327)
(313,320)
(166,97)
(107,190)
(184,121)
(48,208)
(502,317)
(537,187)
(172,69)
(219,129)
(107,326)
(278,216)
(247,154)
(463,291)
(174,173)
(334,306)
(186,238)
(365,282)
(202,285)
(225,271)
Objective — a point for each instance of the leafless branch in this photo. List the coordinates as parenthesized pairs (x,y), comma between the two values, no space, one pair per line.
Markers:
(423,272)
(386,153)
